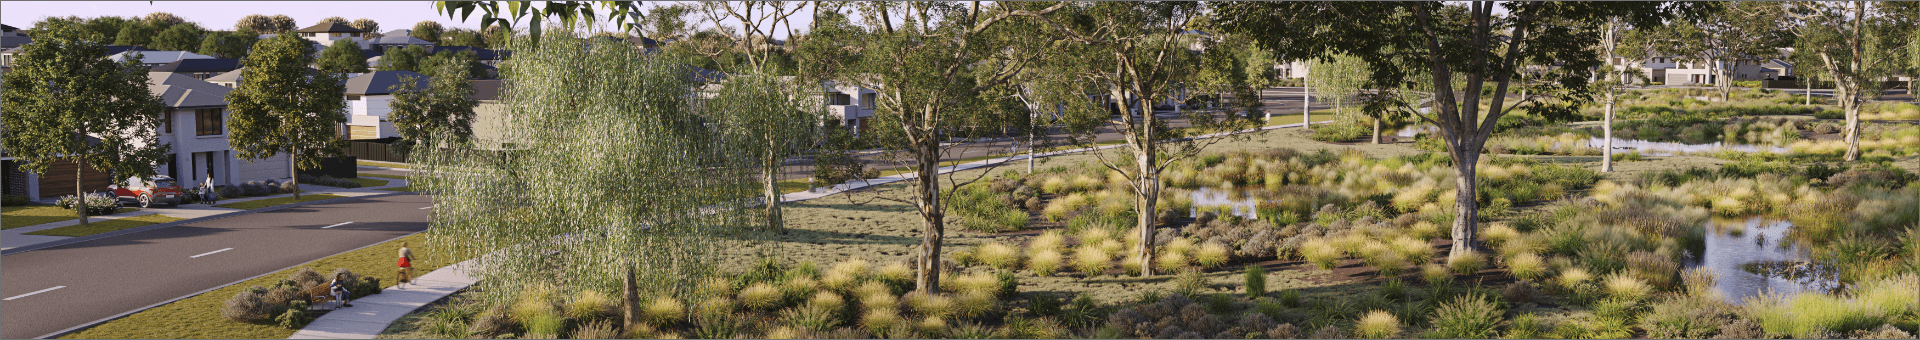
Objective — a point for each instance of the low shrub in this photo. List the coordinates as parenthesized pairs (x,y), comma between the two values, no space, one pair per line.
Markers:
(1256,281)
(1690,317)
(326,181)
(998,255)
(97,204)
(248,306)
(292,318)
(1435,275)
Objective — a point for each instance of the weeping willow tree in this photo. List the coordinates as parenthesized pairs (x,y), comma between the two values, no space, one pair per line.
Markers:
(621,183)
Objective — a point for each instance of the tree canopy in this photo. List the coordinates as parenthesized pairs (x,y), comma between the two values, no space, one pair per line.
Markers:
(65,103)
(343,57)
(284,109)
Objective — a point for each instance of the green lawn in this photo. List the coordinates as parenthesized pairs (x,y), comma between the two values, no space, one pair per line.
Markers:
(383,176)
(15,217)
(256,204)
(106,225)
(408,188)
(198,317)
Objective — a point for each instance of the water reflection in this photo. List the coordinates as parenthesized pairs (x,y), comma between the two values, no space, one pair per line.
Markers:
(1671,148)
(1237,201)
(1740,253)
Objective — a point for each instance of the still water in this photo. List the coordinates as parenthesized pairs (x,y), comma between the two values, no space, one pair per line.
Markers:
(1754,256)
(1240,204)
(1671,148)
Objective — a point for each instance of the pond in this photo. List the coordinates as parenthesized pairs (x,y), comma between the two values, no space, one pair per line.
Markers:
(1237,202)
(1755,256)
(1672,148)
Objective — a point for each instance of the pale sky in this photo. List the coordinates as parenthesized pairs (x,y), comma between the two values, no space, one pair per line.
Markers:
(221,15)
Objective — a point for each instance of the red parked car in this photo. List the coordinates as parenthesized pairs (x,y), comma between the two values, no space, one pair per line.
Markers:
(158,189)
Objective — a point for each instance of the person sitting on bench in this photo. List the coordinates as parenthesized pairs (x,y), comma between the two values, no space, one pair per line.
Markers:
(339,289)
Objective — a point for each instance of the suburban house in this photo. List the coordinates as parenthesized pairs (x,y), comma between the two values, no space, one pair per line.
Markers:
(230,79)
(368,98)
(325,33)
(490,125)
(11,37)
(851,104)
(1680,70)
(193,126)
(199,68)
(152,58)
(394,39)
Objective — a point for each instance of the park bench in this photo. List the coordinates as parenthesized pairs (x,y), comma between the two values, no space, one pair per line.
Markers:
(320,294)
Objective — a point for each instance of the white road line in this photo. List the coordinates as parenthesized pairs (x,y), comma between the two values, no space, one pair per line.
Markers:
(336,225)
(209,253)
(35,292)
(426,207)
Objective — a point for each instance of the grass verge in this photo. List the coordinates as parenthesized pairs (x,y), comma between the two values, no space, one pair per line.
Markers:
(408,188)
(106,226)
(384,164)
(256,204)
(364,182)
(32,215)
(382,176)
(198,317)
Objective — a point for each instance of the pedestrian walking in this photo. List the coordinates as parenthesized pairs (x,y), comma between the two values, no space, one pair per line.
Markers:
(406,265)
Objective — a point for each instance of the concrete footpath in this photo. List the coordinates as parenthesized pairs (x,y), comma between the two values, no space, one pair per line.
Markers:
(372,315)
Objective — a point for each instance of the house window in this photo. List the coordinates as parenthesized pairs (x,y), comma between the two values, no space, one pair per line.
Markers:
(207,122)
(838,99)
(353,97)
(866,100)
(166,122)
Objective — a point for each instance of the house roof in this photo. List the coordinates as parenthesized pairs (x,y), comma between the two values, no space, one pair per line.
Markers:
(400,39)
(5,27)
(481,53)
(485,89)
(330,27)
(698,74)
(234,76)
(398,32)
(178,90)
(159,57)
(117,49)
(382,82)
(199,65)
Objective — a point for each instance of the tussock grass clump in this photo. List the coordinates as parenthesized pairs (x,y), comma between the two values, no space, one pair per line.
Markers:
(1571,278)
(1436,275)
(1469,316)
(879,300)
(587,305)
(715,286)
(1467,263)
(1621,286)
(932,327)
(896,272)
(1091,261)
(975,304)
(929,304)
(879,321)
(1377,324)
(760,296)
(1170,261)
(1256,281)
(1044,262)
(1320,253)
(1132,265)
(976,282)
(1180,245)
(1413,250)
(1497,234)
(663,310)
(1811,315)
(828,301)
(1527,266)
(1050,240)
(998,255)
(1211,255)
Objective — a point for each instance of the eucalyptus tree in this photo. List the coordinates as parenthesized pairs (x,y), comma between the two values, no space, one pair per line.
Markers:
(1449,43)
(1133,53)
(228,45)
(1849,43)
(763,109)
(1741,32)
(65,103)
(635,191)
(1340,77)
(178,38)
(283,108)
(365,24)
(927,61)
(342,57)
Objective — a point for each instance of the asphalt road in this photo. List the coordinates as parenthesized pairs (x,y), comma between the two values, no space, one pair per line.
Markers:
(105,277)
